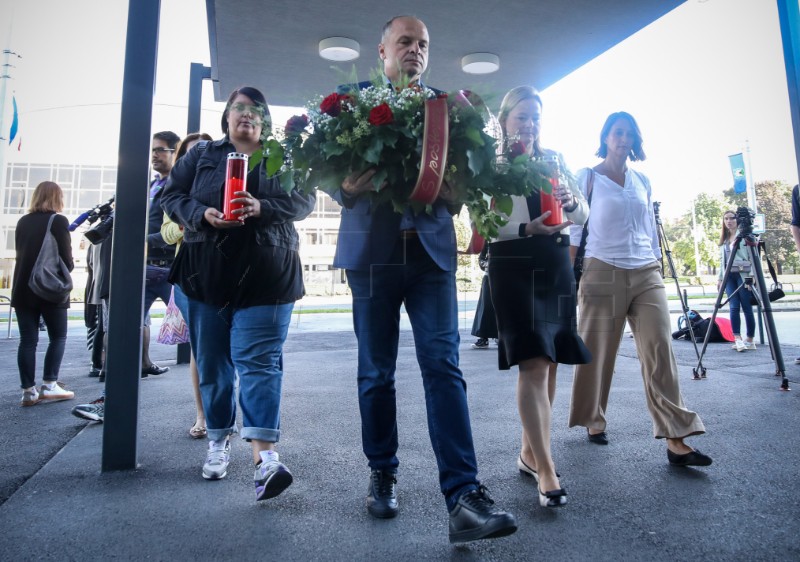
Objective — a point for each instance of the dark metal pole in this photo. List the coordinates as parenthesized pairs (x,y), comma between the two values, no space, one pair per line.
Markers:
(789,16)
(197,74)
(124,353)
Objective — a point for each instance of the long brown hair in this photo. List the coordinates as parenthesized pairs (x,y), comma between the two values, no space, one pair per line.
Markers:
(47,198)
(726,232)
(187,140)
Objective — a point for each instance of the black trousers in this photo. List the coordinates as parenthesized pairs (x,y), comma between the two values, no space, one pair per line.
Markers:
(55,319)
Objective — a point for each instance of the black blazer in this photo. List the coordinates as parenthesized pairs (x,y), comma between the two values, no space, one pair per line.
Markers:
(29,237)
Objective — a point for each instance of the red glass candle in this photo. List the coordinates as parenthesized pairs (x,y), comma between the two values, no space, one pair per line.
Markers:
(235,180)
(548,201)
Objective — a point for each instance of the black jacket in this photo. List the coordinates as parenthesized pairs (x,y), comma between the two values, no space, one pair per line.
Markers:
(196,183)
(29,237)
(157,249)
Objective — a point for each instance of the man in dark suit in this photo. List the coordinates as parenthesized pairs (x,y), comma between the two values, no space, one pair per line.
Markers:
(393,259)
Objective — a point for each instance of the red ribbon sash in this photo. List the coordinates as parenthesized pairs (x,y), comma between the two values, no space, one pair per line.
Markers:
(434,151)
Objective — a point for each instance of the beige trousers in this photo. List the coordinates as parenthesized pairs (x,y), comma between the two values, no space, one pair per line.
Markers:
(608,296)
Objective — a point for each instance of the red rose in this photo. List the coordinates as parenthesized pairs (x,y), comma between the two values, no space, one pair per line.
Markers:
(296,124)
(381,115)
(332,105)
(518,148)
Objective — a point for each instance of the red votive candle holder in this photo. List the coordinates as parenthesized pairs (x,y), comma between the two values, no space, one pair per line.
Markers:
(235,180)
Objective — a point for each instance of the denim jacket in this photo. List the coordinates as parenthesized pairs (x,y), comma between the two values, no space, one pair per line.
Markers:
(196,182)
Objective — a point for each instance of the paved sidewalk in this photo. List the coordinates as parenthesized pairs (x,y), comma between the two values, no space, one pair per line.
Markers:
(625,501)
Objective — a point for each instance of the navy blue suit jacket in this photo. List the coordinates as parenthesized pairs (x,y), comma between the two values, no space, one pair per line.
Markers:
(368,233)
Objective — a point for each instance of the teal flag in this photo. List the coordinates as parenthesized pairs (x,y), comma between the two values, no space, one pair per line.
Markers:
(737,169)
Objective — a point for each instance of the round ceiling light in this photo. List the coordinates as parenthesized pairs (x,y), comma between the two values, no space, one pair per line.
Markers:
(339,49)
(480,63)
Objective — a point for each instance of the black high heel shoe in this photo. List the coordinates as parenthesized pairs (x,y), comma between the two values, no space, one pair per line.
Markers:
(553,498)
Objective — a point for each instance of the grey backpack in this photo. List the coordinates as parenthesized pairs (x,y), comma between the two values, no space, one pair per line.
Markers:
(50,279)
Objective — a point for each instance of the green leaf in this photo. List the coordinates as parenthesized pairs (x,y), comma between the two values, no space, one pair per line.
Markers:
(274,157)
(503,204)
(255,160)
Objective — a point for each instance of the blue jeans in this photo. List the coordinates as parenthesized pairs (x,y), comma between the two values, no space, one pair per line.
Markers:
(28,321)
(247,341)
(155,286)
(429,294)
(743,301)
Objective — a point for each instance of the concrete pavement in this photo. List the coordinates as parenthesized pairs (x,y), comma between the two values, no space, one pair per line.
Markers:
(625,501)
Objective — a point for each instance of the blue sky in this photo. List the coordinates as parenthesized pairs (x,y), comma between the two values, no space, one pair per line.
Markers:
(701,81)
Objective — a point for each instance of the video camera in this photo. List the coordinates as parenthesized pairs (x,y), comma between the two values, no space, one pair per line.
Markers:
(103,212)
(744,221)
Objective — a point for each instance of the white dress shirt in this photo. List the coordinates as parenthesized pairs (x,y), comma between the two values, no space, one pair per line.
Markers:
(622,228)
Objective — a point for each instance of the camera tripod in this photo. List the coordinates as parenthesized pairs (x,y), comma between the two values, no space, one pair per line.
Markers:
(758,290)
(699,371)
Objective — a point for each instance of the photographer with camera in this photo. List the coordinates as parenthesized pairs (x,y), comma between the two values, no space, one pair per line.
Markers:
(739,296)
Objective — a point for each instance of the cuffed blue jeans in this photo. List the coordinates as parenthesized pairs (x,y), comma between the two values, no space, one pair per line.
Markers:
(55,319)
(429,294)
(741,301)
(248,341)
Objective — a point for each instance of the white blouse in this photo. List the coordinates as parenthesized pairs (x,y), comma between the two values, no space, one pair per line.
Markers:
(622,226)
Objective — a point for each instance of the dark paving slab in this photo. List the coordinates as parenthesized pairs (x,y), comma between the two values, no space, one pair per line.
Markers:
(626,502)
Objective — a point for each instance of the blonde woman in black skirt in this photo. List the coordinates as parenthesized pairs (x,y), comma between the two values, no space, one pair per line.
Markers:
(533,291)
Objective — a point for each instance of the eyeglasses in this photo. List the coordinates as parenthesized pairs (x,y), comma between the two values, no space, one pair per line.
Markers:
(161,150)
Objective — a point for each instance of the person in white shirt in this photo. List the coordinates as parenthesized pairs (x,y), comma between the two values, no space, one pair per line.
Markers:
(622,281)
(533,291)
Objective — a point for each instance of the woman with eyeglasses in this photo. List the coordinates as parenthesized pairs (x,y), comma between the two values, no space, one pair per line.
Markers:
(240,278)
(739,298)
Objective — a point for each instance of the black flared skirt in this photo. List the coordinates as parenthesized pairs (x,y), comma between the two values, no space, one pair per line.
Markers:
(533,292)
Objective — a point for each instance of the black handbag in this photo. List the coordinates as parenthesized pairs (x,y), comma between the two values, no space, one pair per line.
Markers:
(50,279)
(776,291)
(577,264)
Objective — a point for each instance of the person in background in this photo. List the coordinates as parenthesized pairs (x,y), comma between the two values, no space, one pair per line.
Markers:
(172,233)
(47,200)
(622,280)
(240,279)
(484,325)
(159,253)
(533,291)
(795,228)
(391,260)
(739,297)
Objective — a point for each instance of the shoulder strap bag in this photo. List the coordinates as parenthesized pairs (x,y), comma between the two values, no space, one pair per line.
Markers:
(776,291)
(50,279)
(577,265)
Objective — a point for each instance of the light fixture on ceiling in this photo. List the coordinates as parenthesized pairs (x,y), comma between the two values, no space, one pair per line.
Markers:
(480,63)
(339,49)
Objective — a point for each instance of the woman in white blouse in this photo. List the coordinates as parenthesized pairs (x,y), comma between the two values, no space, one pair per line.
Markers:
(622,281)
(533,292)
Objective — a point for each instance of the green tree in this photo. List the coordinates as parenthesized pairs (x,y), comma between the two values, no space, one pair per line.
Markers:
(774,199)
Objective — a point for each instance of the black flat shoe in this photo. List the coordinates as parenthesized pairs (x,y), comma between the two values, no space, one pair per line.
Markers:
(553,498)
(476,517)
(154,370)
(382,495)
(694,458)
(598,438)
(95,372)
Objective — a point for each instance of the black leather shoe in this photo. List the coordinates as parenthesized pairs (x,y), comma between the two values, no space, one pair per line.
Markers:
(381,495)
(95,372)
(598,438)
(695,458)
(154,370)
(475,517)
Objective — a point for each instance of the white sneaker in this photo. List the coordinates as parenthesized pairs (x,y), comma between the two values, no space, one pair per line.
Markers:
(217,460)
(56,393)
(271,478)
(30,397)
(750,345)
(739,345)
